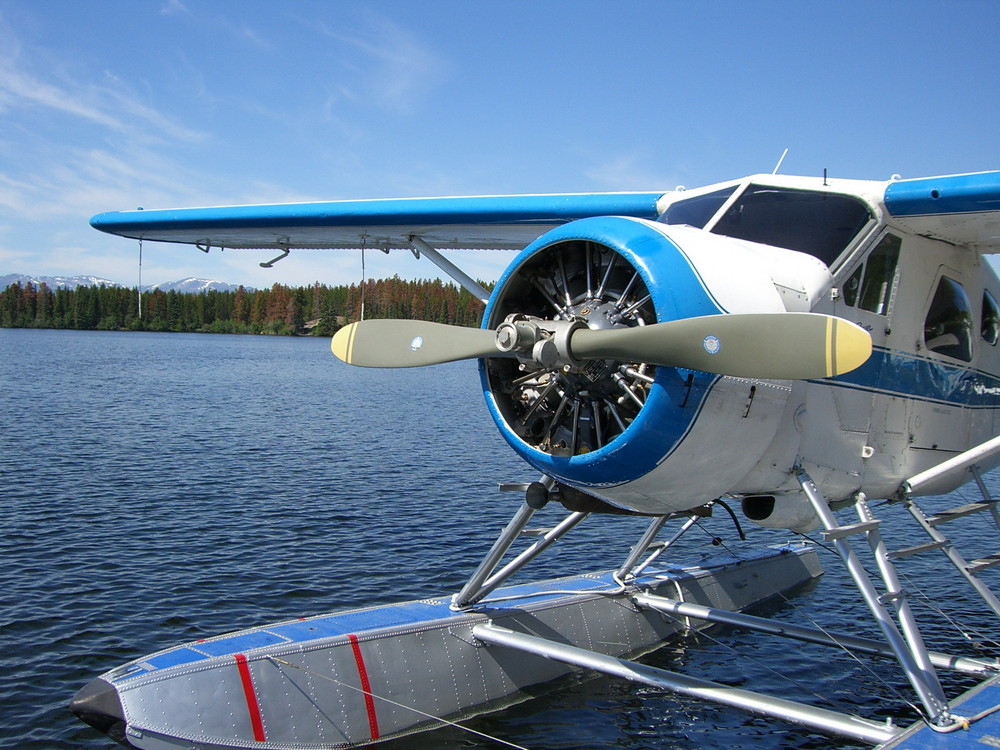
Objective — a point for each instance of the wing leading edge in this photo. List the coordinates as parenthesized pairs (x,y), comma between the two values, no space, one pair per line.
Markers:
(485,222)
(962,209)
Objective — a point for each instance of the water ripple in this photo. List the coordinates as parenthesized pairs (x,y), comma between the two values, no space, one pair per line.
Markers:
(164,487)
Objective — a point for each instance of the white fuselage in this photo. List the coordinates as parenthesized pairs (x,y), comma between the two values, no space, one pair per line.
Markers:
(929,391)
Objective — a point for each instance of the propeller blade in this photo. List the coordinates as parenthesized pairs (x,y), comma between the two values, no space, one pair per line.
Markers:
(410,343)
(776,346)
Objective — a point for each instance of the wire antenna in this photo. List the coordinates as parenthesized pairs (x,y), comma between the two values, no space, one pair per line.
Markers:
(364,283)
(139,288)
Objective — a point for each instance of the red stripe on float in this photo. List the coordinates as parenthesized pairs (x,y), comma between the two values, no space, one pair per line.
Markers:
(248,692)
(365,685)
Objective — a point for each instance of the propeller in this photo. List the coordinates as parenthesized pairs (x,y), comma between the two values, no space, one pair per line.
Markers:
(779,346)
(410,343)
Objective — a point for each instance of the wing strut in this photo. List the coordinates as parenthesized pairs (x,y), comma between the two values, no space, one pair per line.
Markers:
(466,281)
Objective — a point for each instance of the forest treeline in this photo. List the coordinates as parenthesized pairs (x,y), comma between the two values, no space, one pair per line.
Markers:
(318,309)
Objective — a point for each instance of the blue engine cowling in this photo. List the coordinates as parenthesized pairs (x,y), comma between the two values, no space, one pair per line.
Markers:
(618,430)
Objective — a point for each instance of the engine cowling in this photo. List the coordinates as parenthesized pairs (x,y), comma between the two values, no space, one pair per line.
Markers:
(626,431)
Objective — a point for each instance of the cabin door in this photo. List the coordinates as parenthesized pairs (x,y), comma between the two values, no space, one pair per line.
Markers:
(940,421)
(866,299)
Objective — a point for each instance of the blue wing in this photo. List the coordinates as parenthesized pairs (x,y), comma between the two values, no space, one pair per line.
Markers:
(488,222)
(961,209)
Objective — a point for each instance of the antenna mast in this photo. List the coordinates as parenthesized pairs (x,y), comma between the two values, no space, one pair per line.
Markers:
(778,165)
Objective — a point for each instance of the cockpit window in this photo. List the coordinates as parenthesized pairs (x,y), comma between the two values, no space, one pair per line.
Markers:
(821,224)
(948,326)
(695,212)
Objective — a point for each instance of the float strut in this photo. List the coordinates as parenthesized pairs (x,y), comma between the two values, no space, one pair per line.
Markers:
(780,708)
(536,495)
(917,666)
(680,609)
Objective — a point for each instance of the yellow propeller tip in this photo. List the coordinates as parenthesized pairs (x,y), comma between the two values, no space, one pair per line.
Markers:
(342,343)
(850,346)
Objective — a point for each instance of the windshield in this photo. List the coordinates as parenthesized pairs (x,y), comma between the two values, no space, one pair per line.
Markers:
(819,223)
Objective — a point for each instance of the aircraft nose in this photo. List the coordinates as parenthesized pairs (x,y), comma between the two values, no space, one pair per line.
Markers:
(98,704)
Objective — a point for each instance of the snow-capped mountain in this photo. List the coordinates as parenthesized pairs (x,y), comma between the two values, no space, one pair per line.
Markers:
(55,282)
(185,286)
(194,286)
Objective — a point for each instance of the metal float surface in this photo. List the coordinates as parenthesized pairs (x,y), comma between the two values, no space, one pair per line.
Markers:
(357,676)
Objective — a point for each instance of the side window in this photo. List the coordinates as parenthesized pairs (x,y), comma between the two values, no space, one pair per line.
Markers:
(697,211)
(990,328)
(879,273)
(948,326)
(871,292)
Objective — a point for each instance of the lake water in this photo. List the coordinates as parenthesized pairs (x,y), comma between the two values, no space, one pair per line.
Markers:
(158,488)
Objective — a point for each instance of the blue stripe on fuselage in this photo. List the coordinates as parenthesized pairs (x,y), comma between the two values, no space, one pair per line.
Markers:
(893,372)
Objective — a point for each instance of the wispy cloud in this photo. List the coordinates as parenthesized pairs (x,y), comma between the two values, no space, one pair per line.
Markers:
(20,88)
(84,181)
(256,39)
(27,84)
(628,172)
(174,8)
(394,68)
(141,120)
(219,22)
(55,158)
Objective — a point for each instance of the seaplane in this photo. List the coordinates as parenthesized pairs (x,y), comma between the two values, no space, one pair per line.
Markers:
(790,349)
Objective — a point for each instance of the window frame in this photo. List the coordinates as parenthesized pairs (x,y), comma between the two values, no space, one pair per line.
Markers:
(963,350)
(887,243)
(855,296)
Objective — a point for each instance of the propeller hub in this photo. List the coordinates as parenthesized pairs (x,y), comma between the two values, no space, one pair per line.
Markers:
(539,343)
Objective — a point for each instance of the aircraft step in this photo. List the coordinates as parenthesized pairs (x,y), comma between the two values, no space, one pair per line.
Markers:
(916,549)
(953,513)
(966,569)
(537,532)
(849,529)
(984,562)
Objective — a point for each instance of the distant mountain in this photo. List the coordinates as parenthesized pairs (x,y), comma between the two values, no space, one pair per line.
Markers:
(194,286)
(55,282)
(185,286)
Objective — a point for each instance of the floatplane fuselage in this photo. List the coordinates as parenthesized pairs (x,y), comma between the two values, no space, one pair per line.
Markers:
(792,345)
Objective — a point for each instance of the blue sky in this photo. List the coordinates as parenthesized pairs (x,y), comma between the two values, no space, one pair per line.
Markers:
(115,104)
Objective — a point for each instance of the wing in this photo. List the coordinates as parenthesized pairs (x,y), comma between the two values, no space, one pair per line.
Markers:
(485,222)
(961,209)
